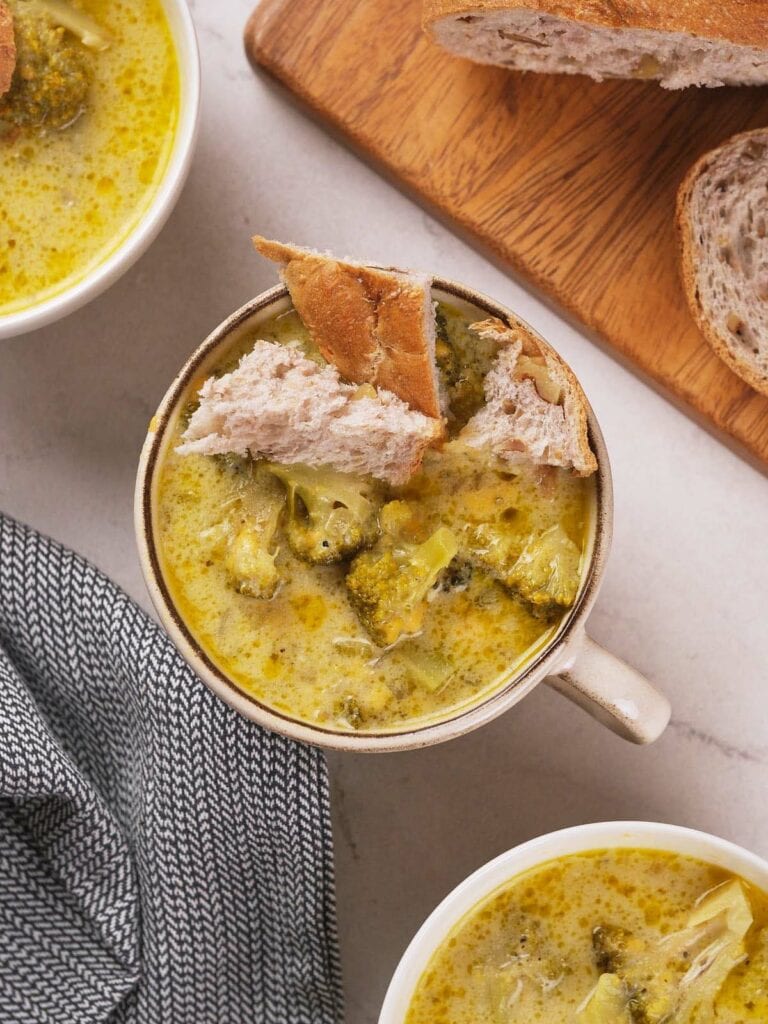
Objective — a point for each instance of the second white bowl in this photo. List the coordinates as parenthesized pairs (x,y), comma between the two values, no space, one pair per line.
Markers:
(581,839)
(147,229)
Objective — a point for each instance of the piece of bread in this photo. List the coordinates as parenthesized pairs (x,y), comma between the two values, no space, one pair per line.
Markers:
(535,410)
(376,326)
(7,48)
(279,404)
(674,42)
(722,219)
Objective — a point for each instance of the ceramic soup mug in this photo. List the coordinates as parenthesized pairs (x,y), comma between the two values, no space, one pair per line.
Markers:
(508,866)
(571,662)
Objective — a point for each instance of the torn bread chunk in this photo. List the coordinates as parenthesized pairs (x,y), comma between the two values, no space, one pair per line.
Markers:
(677,44)
(280,405)
(376,326)
(535,410)
(7,48)
(722,218)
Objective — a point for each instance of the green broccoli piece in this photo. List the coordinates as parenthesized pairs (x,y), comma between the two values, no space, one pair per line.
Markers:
(495,548)
(544,569)
(331,515)
(388,586)
(546,574)
(250,560)
(53,74)
(680,977)
(611,945)
(349,711)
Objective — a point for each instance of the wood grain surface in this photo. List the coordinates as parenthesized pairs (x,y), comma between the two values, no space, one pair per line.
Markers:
(569,182)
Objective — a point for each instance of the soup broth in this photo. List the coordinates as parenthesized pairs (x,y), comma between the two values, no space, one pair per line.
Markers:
(534,951)
(70,195)
(304,652)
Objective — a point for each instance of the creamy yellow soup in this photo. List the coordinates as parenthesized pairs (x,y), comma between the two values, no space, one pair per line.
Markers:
(305,651)
(69,196)
(608,937)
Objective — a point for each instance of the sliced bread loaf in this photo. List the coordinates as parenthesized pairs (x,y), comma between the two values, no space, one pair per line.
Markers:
(376,326)
(535,409)
(7,48)
(722,216)
(687,42)
(280,405)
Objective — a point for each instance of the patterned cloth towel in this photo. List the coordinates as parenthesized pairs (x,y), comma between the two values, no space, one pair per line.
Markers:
(161,859)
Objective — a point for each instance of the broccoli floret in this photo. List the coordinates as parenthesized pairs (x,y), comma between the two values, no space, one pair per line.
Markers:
(546,573)
(494,548)
(330,515)
(680,977)
(388,586)
(52,78)
(251,557)
(349,711)
(611,946)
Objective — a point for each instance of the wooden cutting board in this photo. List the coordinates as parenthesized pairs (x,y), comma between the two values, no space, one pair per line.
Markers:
(570,183)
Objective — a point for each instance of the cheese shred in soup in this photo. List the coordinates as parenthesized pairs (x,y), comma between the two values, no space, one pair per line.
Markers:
(608,937)
(305,651)
(73,186)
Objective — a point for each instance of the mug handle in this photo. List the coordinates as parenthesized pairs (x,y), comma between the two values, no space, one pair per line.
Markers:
(612,692)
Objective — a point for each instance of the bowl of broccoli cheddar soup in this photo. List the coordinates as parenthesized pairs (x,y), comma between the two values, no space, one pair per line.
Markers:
(614,923)
(373,510)
(98,115)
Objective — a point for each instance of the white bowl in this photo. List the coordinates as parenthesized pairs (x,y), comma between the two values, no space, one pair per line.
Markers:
(145,232)
(610,834)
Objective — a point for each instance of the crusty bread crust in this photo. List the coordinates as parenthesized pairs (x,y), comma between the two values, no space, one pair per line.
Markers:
(7,48)
(737,21)
(687,236)
(374,325)
(515,333)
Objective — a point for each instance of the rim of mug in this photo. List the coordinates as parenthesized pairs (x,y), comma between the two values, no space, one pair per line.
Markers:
(515,862)
(105,273)
(467,718)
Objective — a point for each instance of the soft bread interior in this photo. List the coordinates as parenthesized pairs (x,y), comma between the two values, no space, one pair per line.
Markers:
(728,221)
(535,411)
(279,404)
(531,41)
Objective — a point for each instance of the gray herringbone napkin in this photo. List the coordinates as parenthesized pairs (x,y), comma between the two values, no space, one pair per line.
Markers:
(161,859)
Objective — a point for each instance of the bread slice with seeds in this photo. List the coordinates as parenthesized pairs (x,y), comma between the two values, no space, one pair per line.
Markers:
(279,404)
(376,326)
(679,44)
(535,410)
(722,217)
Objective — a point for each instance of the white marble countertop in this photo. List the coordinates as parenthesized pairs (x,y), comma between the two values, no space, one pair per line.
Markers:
(685,593)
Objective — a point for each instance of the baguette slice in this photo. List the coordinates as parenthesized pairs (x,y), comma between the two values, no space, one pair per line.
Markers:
(535,410)
(722,219)
(376,326)
(280,405)
(7,48)
(677,43)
